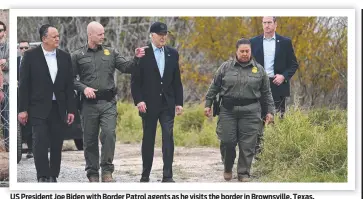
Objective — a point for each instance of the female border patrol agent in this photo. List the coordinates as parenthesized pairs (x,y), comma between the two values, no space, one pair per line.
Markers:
(241,83)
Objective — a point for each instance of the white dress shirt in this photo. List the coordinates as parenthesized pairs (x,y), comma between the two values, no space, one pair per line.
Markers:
(269,46)
(51,58)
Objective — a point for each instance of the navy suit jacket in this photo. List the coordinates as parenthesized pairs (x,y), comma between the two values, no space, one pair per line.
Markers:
(18,63)
(148,86)
(285,61)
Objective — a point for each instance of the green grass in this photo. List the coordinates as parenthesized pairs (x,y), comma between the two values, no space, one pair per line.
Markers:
(307,146)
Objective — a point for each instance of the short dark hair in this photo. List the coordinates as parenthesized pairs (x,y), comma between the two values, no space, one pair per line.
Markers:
(43,31)
(273,19)
(242,41)
(23,41)
(2,23)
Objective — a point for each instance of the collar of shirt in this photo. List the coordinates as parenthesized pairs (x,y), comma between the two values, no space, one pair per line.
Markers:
(99,47)
(272,38)
(241,64)
(156,48)
(48,53)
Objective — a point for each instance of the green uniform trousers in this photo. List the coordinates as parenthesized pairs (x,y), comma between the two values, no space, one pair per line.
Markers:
(96,115)
(240,125)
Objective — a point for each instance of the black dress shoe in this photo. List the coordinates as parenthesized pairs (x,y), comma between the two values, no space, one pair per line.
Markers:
(52,179)
(167,180)
(29,155)
(145,179)
(42,179)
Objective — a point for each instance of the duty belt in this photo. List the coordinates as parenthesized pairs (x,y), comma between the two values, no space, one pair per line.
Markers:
(229,103)
(107,95)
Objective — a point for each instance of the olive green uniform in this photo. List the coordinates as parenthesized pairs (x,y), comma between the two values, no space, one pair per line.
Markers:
(242,86)
(95,68)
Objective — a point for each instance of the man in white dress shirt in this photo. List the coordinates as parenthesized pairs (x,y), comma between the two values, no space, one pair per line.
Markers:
(46,100)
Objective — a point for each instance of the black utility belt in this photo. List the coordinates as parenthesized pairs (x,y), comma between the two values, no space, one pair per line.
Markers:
(107,95)
(229,103)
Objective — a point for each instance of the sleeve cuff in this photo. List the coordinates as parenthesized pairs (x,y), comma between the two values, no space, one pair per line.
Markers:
(208,103)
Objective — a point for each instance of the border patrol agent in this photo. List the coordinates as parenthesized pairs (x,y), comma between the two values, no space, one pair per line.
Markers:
(94,65)
(242,83)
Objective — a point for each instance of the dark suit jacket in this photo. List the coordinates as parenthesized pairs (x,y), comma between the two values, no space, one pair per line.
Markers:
(36,86)
(18,63)
(285,61)
(148,86)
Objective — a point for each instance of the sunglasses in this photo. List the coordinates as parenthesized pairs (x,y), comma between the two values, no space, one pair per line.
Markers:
(21,48)
(1,30)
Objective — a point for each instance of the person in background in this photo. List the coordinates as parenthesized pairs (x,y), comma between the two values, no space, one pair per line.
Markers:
(276,54)
(25,129)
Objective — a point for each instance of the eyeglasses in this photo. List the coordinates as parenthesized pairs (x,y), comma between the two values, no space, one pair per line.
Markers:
(1,30)
(21,48)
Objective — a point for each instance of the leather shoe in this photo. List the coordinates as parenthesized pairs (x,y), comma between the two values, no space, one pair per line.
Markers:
(29,155)
(52,179)
(167,180)
(227,176)
(244,179)
(145,179)
(94,179)
(107,178)
(42,179)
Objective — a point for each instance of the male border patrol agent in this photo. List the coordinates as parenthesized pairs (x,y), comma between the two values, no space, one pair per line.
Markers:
(94,66)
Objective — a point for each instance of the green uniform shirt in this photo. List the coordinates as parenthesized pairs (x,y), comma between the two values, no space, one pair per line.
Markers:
(242,81)
(95,68)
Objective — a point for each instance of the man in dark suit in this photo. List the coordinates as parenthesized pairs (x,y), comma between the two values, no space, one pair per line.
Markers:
(276,54)
(25,129)
(158,94)
(46,100)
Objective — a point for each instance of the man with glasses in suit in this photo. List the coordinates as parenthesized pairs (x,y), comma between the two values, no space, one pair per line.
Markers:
(25,129)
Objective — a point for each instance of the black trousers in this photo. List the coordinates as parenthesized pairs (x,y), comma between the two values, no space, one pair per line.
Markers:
(48,133)
(27,133)
(279,99)
(280,105)
(149,124)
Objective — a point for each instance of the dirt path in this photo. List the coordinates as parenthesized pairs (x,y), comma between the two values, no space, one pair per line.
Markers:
(190,165)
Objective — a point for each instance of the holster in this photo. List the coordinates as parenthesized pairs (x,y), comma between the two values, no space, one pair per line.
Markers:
(216,106)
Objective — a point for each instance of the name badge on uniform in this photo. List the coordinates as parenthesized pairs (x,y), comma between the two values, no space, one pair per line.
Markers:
(254,69)
(106,52)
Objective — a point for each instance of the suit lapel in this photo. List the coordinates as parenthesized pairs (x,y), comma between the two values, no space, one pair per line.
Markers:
(45,65)
(18,62)
(260,50)
(167,60)
(58,65)
(278,45)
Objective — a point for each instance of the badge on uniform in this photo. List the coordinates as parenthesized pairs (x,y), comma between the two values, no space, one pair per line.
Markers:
(106,52)
(254,69)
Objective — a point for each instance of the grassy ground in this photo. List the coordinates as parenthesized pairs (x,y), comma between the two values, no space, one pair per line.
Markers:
(307,146)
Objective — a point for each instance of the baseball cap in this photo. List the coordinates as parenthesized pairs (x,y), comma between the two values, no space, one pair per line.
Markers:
(158,27)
